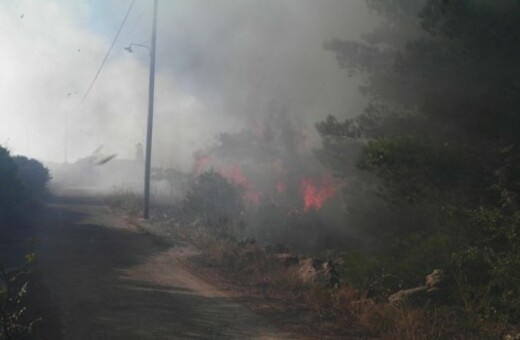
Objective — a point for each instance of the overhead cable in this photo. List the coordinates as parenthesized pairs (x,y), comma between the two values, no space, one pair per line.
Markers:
(107,54)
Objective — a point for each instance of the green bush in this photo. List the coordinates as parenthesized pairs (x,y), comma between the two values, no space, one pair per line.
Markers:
(22,180)
(15,319)
(12,192)
(33,175)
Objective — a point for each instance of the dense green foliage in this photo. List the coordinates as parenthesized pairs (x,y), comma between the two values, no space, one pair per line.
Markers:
(12,192)
(22,180)
(33,174)
(441,137)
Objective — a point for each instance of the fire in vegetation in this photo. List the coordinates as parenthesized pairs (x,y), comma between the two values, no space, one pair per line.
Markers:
(288,198)
(235,175)
(315,194)
(272,164)
(312,193)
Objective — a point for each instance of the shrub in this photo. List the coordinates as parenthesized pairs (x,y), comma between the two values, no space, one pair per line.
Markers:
(12,192)
(15,321)
(216,203)
(33,174)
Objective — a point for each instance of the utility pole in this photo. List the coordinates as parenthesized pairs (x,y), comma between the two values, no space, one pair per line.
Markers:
(148,157)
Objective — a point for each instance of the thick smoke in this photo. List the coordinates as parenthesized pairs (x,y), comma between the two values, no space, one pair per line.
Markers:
(222,66)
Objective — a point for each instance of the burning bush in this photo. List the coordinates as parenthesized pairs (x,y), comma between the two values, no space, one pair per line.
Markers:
(291,200)
(215,203)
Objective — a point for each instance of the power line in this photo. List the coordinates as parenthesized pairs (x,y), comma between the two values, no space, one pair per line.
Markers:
(107,54)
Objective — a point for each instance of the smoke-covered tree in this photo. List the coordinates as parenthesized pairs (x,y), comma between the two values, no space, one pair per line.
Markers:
(441,134)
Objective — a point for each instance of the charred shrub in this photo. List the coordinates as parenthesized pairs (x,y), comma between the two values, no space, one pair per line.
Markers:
(215,203)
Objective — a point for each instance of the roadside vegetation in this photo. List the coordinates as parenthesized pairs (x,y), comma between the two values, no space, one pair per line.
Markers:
(22,189)
(22,185)
(340,294)
(440,140)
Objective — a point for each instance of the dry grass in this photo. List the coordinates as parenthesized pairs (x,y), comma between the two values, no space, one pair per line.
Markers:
(259,274)
(386,321)
(328,312)
(126,200)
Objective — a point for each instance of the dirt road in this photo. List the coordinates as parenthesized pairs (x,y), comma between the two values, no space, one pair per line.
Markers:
(105,279)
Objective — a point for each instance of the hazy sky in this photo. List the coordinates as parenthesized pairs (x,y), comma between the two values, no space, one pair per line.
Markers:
(221,66)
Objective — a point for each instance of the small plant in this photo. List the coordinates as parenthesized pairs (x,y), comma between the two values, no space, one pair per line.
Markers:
(13,289)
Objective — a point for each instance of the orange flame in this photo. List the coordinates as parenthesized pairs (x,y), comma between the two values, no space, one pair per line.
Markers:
(314,195)
(234,174)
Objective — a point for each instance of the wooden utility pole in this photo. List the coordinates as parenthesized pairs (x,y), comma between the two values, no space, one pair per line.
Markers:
(151,86)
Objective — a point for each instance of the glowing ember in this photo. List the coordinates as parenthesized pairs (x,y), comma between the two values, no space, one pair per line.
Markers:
(314,195)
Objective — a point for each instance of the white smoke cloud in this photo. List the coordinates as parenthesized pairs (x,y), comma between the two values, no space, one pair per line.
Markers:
(221,65)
